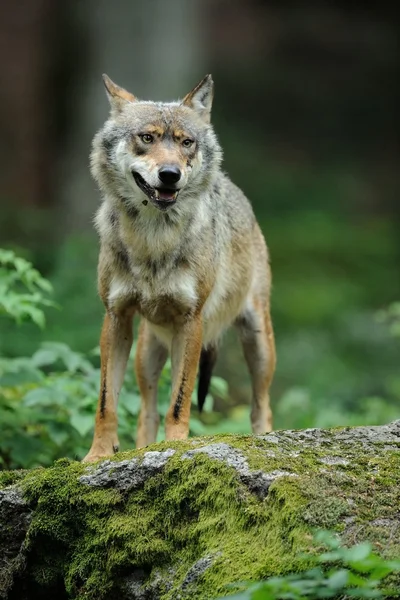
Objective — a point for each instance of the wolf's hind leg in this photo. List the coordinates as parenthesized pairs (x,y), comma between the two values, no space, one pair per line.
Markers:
(150,359)
(257,337)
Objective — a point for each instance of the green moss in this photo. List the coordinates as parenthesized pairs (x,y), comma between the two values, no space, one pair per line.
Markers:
(10,477)
(91,539)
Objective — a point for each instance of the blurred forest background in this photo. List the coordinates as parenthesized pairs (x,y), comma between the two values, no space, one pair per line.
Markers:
(306,108)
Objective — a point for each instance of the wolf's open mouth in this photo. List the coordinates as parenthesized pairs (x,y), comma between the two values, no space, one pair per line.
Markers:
(162,198)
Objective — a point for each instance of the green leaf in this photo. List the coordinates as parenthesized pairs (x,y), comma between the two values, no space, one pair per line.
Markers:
(363,593)
(130,402)
(327,539)
(58,433)
(52,352)
(219,387)
(338,579)
(329,557)
(395,329)
(82,423)
(14,378)
(208,404)
(41,396)
(261,594)
(25,448)
(44,357)
(356,580)
(197,427)
(357,553)
(22,290)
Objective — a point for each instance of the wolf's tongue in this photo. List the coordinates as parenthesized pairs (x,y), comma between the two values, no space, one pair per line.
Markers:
(166,194)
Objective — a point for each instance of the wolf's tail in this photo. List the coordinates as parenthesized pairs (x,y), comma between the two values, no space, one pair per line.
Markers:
(208,359)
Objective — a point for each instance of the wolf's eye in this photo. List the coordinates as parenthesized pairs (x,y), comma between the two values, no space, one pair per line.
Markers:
(187,143)
(146,138)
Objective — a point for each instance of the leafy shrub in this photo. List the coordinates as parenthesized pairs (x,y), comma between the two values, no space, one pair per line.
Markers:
(48,400)
(355,572)
(23,291)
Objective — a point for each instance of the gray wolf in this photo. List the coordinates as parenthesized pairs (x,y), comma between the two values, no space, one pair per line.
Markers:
(181,247)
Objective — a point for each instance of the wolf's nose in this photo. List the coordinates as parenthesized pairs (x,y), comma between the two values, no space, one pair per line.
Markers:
(169,174)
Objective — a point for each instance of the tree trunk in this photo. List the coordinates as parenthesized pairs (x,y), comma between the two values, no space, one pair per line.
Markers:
(184,519)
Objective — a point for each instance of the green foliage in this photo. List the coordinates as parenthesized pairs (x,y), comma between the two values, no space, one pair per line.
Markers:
(23,291)
(337,362)
(391,317)
(356,572)
(49,402)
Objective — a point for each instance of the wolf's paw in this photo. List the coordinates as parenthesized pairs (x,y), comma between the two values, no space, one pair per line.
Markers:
(96,454)
(92,457)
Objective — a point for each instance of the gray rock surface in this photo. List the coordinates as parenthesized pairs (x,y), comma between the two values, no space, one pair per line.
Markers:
(256,481)
(156,501)
(126,474)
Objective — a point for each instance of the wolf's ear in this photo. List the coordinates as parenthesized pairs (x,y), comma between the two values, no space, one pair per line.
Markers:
(201,97)
(117,96)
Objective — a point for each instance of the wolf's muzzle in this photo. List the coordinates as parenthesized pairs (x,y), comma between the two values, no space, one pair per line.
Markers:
(162,197)
(143,185)
(169,174)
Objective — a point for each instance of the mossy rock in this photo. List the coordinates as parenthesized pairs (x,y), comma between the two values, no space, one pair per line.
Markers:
(184,519)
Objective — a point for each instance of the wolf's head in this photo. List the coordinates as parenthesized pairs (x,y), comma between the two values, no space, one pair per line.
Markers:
(155,153)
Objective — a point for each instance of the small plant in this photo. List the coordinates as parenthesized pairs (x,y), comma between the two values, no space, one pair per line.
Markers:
(23,291)
(355,572)
(49,401)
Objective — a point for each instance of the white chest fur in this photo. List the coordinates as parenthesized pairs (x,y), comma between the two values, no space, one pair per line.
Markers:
(179,285)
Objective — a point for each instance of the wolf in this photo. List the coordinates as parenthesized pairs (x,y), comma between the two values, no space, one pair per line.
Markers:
(180,247)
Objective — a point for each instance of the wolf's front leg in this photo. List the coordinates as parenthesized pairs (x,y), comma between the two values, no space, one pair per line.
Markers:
(149,361)
(115,345)
(185,354)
